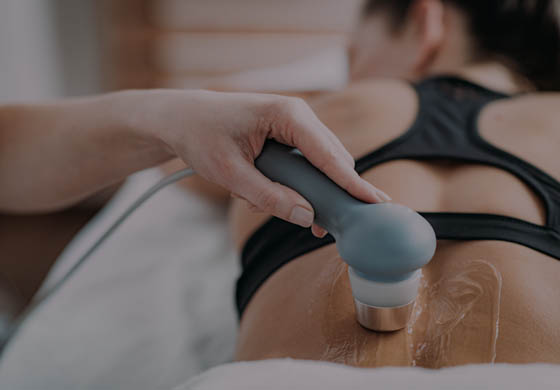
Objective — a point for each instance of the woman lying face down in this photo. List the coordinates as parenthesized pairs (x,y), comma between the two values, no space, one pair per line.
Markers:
(461,100)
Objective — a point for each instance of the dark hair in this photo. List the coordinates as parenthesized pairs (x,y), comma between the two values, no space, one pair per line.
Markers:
(526,33)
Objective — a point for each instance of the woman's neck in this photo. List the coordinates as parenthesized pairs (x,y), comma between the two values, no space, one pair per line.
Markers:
(497,76)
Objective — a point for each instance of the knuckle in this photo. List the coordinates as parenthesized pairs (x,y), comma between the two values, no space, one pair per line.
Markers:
(346,182)
(328,161)
(276,110)
(288,119)
(267,200)
(290,105)
(297,102)
(253,208)
(277,105)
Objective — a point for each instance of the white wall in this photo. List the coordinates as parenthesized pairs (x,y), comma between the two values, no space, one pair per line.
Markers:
(48,48)
(77,35)
(28,52)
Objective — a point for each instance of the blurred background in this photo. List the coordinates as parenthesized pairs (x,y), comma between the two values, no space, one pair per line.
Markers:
(49,49)
(74,47)
(60,48)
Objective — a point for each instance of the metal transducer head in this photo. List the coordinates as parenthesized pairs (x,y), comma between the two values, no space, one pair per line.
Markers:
(385,244)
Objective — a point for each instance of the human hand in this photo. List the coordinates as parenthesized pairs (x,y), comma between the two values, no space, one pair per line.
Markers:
(221,134)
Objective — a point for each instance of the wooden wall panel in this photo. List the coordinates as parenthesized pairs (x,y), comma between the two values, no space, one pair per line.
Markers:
(256,15)
(222,53)
(183,43)
(126,41)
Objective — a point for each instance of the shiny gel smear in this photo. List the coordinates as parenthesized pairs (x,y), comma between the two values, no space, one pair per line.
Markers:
(456,319)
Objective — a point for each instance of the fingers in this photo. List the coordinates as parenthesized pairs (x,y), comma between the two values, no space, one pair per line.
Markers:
(270,197)
(318,231)
(324,150)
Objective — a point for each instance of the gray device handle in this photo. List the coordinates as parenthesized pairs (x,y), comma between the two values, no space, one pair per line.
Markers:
(383,242)
(287,166)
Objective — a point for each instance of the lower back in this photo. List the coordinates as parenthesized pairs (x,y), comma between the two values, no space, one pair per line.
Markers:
(476,304)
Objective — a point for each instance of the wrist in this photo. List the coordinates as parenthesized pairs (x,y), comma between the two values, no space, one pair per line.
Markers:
(136,115)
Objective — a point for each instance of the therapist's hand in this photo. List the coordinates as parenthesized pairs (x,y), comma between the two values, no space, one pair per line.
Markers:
(221,134)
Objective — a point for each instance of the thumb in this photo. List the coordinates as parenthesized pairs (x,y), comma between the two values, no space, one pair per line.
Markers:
(270,197)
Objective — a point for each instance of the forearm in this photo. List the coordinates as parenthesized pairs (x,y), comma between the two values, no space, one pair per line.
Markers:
(53,155)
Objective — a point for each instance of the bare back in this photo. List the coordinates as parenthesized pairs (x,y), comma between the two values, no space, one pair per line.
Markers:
(480,301)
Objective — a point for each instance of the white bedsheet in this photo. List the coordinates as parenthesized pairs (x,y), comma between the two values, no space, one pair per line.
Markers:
(151,308)
(307,375)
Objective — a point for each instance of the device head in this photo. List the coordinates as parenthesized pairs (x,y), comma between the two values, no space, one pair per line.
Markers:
(385,242)
(385,245)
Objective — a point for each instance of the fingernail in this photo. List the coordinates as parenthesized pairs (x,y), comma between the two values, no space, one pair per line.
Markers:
(318,231)
(301,216)
(384,196)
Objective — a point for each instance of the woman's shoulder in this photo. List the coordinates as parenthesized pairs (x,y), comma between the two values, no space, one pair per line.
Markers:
(528,126)
(544,107)
(373,111)
(531,113)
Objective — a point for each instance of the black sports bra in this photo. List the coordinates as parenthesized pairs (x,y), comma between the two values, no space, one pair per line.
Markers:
(445,128)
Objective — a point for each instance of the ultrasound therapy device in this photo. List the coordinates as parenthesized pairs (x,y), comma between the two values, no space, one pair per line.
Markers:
(385,245)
